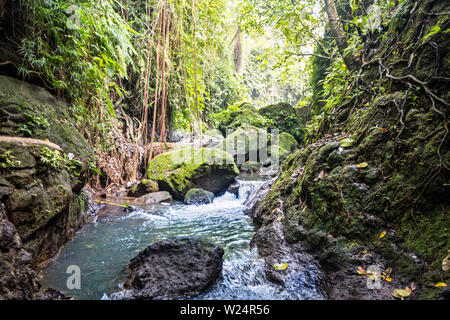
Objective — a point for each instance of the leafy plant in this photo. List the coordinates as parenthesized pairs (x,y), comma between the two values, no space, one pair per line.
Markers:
(59,161)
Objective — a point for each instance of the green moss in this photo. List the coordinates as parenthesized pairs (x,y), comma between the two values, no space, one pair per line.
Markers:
(38,114)
(287,141)
(284,117)
(176,171)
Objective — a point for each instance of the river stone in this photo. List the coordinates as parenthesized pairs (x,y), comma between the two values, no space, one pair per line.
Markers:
(179,170)
(154,197)
(198,196)
(144,187)
(234,188)
(18,280)
(174,268)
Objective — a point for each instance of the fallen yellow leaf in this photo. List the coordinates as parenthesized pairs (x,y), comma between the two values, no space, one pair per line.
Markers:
(388,279)
(360,270)
(382,234)
(401,293)
(280,266)
(280,218)
(362,165)
(440,284)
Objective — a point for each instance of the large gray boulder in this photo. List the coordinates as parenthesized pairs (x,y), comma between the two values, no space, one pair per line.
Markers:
(198,196)
(154,197)
(174,268)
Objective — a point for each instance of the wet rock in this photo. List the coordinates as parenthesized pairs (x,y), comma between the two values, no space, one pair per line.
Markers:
(336,158)
(234,188)
(174,268)
(255,199)
(198,196)
(155,197)
(18,281)
(373,175)
(325,151)
(179,170)
(143,187)
(302,273)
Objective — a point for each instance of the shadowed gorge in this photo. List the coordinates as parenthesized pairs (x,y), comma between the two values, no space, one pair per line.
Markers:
(224,150)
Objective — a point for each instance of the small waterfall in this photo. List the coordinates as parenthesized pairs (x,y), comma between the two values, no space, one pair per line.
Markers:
(246,188)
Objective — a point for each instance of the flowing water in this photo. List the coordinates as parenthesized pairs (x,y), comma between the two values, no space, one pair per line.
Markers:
(102,249)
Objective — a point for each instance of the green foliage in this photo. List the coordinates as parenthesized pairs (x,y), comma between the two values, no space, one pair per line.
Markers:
(34,120)
(7,160)
(237,114)
(58,160)
(81,50)
(334,91)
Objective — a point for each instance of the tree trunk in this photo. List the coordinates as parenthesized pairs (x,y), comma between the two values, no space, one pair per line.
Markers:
(341,39)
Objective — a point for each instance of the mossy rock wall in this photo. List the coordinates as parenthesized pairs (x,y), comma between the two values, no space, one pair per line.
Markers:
(41,180)
(381,166)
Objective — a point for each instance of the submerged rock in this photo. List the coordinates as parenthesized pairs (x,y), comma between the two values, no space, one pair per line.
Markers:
(154,197)
(198,196)
(174,268)
(142,188)
(179,170)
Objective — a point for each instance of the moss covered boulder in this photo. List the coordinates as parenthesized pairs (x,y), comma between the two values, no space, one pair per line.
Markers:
(285,119)
(144,187)
(287,141)
(247,143)
(28,110)
(245,113)
(179,170)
